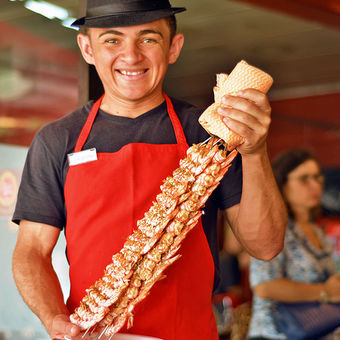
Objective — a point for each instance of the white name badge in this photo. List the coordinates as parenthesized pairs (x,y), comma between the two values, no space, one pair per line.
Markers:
(82,157)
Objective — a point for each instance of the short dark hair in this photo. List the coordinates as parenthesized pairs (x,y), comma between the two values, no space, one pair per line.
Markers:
(172,21)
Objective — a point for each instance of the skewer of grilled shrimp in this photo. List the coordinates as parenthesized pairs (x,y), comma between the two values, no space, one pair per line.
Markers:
(146,253)
(169,244)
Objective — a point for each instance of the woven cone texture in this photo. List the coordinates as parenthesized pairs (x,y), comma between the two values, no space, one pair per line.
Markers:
(242,77)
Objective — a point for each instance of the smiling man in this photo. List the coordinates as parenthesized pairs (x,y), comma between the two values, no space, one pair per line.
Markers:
(95,172)
(131,62)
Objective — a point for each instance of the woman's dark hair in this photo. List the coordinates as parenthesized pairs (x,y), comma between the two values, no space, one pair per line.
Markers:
(284,164)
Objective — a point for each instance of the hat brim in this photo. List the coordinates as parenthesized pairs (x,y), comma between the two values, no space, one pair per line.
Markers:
(127,18)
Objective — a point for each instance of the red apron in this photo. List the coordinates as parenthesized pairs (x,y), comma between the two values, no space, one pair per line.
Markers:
(104,200)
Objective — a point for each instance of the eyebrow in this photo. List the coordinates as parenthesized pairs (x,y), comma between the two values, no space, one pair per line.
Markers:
(111,32)
(150,31)
(141,33)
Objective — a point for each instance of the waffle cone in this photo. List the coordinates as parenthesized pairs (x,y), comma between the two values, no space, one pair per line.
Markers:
(243,76)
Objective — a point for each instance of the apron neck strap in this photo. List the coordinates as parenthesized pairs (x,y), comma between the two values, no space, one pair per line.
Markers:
(88,125)
(180,136)
(179,133)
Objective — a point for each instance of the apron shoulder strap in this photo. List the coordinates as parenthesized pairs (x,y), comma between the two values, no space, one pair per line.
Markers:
(180,136)
(88,125)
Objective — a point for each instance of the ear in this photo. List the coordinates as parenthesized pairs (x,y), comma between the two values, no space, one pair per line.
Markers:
(84,44)
(176,47)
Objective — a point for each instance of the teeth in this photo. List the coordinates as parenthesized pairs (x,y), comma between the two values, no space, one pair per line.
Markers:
(127,73)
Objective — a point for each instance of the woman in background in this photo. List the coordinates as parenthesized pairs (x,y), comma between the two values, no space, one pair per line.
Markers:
(304,270)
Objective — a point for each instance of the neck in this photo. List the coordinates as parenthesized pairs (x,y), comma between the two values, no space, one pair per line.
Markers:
(302,218)
(130,108)
(301,214)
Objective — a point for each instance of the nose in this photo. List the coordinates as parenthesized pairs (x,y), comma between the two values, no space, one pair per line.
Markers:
(317,180)
(316,185)
(131,53)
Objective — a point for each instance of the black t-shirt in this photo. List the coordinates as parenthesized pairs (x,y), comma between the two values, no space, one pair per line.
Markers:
(41,193)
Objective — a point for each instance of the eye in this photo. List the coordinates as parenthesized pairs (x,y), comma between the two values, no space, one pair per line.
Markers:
(149,41)
(111,41)
(304,179)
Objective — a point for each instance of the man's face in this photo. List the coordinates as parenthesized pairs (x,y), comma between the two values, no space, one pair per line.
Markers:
(131,61)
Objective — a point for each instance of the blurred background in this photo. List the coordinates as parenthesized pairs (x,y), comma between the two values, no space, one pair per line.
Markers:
(41,72)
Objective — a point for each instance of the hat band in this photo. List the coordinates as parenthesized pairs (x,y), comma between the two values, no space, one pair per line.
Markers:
(125,6)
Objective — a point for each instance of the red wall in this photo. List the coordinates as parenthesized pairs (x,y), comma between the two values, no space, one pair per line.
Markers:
(51,74)
(310,122)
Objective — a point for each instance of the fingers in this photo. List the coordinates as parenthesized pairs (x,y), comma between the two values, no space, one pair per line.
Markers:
(248,114)
(249,107)
(62,328)
(240,122)
(258,98)
(332,287)
(66,327)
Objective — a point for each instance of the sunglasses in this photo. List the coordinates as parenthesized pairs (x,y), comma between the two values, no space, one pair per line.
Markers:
(306,179)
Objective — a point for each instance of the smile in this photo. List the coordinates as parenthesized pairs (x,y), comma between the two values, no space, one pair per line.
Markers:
(132,73)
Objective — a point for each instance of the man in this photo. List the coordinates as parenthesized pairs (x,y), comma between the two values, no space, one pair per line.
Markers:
(139,139)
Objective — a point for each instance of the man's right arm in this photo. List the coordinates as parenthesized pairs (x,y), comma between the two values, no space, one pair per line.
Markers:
(36,279)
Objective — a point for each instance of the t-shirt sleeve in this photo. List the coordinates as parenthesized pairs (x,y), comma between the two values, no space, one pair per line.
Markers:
(40,196)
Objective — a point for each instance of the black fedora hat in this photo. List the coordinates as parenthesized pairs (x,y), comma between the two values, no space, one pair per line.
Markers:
(119,13)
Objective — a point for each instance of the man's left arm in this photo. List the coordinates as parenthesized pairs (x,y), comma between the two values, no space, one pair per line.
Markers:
(259,220)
